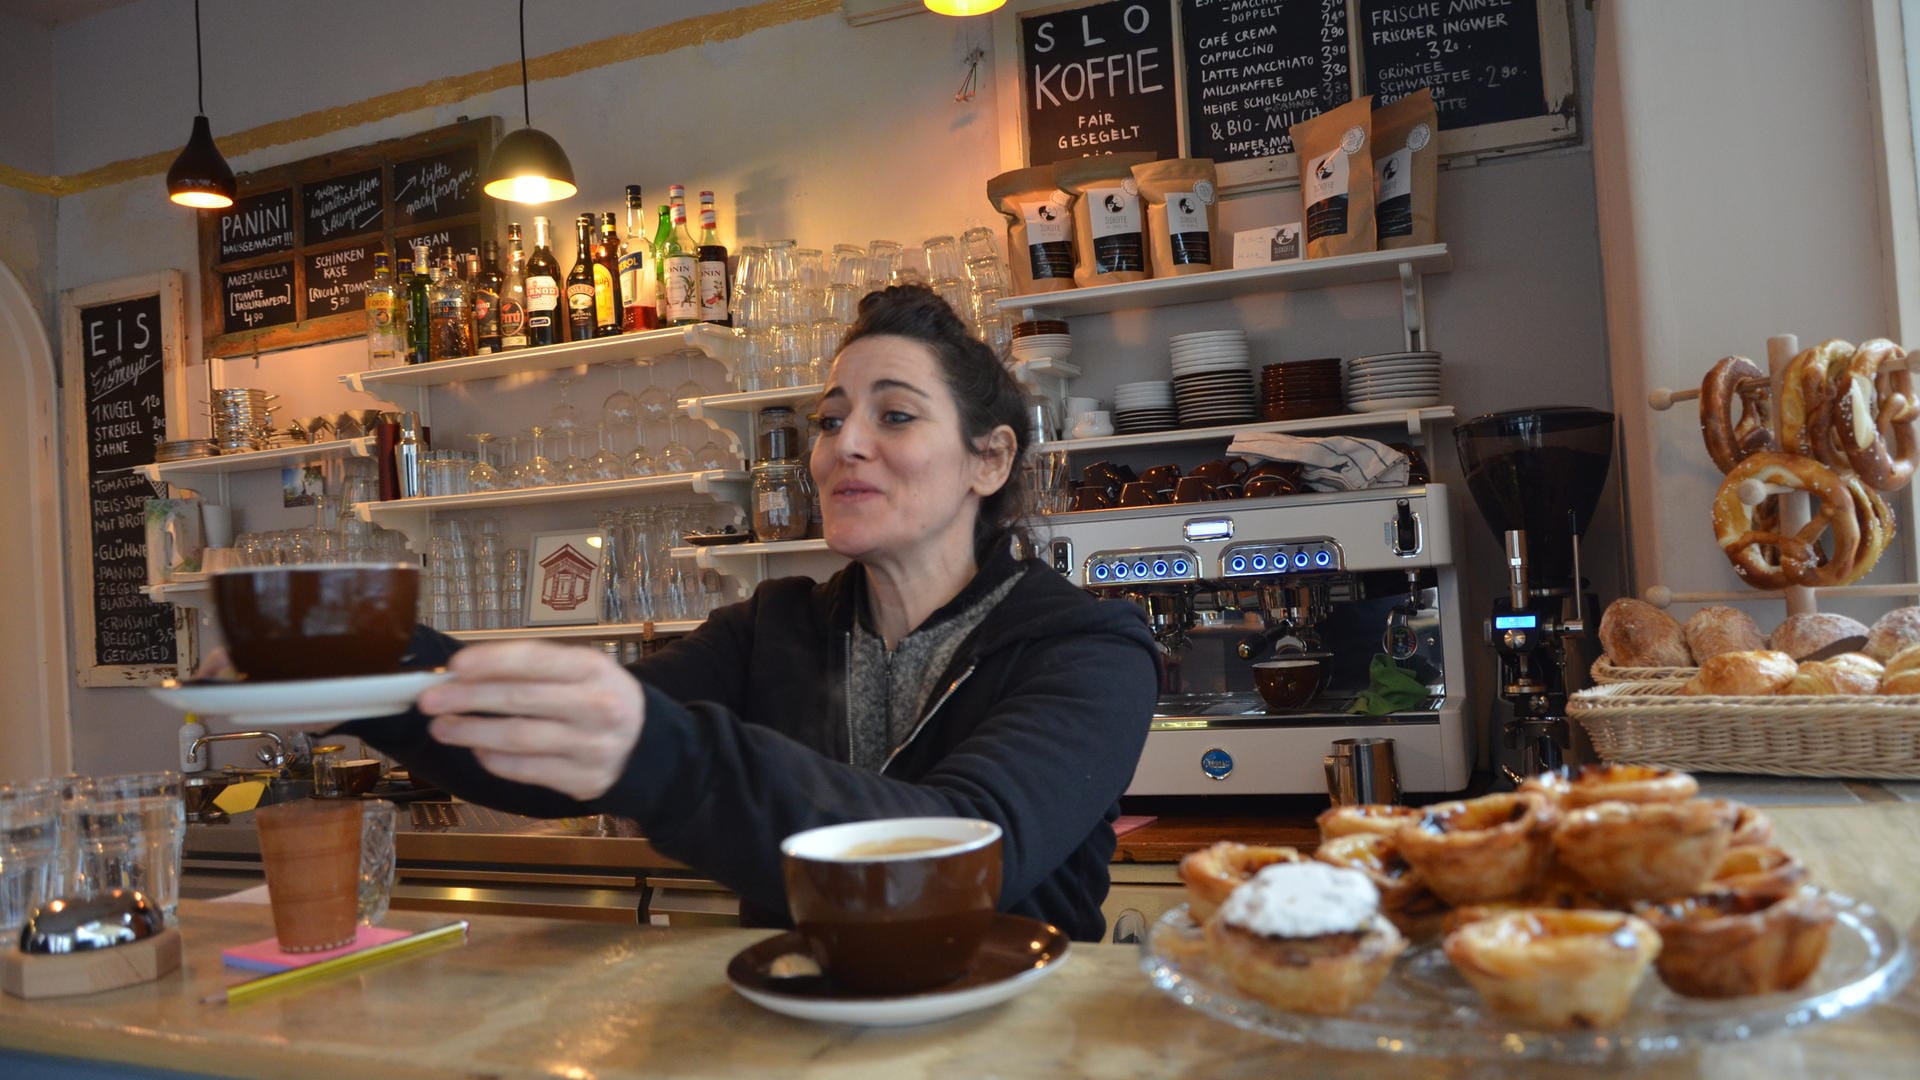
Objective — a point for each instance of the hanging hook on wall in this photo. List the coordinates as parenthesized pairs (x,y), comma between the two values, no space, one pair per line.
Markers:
(970,85)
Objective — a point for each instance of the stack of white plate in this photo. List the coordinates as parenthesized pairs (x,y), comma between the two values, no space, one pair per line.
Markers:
(1042,347)
(1403,380)
(1212,378)
(1143,406)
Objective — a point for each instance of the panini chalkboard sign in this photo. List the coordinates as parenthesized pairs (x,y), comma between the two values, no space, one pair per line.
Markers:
(257,225)
(343,206)
(258,298)
(1254,68)
(122,359)
(441,186)
(327,216)
(336,281)
(1482,57)
(1100,80)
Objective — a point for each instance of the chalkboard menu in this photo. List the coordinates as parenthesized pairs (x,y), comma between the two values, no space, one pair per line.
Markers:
(258,298)
(1100,80)
(290,263)
(343,206)
(459,238)
(1482,57)
(125,419)
(1257,67)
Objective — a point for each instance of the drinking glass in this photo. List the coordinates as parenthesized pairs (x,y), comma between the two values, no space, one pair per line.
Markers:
(30,849)
(564,418)
(377,861)
(639,461)
(654,401)
(572,468)
(620,408)
(780,261)
(674,457)
(483,476)
(540,471)
(513,589)
(847,267)
(980,242)
(127,833)
(604,464)
(883,258)
(515,475)
(614,537)
(987,272)
(943,257)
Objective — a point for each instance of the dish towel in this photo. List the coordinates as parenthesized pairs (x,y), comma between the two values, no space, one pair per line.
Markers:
(1335,463)
(1390,688)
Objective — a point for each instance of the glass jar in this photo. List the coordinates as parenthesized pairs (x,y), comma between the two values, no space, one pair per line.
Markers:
(782,501)
(779,435)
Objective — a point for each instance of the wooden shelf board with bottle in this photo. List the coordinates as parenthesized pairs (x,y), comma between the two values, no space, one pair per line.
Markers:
(221,464)
(1227,284)
(701,482)
(1413,420)
(593,631)
(647,345)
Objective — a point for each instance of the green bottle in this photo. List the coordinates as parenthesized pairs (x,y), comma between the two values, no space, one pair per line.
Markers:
(661,233)
(419,317)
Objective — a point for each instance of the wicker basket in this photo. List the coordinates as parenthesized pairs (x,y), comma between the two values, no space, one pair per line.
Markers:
(1840,737)
(1605,674)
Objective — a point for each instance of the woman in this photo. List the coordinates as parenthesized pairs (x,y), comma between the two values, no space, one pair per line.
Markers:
(936,675)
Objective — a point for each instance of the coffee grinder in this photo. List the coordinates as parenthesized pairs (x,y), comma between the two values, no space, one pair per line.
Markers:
(1536,475)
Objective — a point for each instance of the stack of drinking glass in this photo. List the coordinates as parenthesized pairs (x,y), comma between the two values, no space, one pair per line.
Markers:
(81,836)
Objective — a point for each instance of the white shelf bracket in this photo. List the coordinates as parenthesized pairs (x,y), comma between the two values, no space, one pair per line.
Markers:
(1413,307)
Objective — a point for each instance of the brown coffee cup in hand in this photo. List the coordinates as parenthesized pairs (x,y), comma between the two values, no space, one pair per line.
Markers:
(316,621)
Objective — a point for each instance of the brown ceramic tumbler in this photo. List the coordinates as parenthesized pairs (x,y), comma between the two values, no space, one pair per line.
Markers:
(311,850)
(894,906)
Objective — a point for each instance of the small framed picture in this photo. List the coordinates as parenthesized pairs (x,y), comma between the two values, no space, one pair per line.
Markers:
(563,584)
(300,484)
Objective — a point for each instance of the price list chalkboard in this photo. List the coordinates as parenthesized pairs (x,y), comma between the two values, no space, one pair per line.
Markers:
(258,298)
(257,225)
(343,206)
(1254,68)
(336,281)
(441,186)
(1482,57)
(125,418)
(1100,80)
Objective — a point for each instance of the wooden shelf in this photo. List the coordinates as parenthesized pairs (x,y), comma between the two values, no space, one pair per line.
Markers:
(219,465)
(590,631)
(1412,420)
(701,483)
(641,346)
(1398,264)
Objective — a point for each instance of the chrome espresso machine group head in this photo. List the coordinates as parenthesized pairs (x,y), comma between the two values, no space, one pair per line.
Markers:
(1350,579)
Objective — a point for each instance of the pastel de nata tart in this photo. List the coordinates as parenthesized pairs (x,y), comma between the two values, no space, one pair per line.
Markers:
(1751,828)
(1404,897)
(1212,873)
(1366,818)
(1495,847)
(1645,851)
(1757,868)
(1555,969)
(1732,943)
(1585,785)
(1305,937)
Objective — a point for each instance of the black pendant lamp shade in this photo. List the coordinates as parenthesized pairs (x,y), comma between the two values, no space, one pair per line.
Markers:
(200,177)
(528,166)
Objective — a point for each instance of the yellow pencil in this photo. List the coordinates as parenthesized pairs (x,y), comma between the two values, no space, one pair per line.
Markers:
(280,980)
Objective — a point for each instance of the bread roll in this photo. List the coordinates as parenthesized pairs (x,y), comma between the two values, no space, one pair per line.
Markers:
(1637,634)
(1902,674)
(1804,635)
(1896,630)
(1760,672)
(1716,630)
(1848,673)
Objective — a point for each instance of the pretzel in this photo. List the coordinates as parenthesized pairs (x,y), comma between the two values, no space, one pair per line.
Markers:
(1876,527)
(1798,558)
(1874,414)
(1728,441)
(1806,403)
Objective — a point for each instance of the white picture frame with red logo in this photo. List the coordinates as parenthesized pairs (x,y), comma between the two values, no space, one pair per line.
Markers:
(564,578)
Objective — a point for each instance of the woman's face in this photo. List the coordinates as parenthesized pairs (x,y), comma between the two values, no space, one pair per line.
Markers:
(891,462)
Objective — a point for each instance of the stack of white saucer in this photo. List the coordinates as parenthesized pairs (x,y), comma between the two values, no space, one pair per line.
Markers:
(1387,381)
(1048,341)
(1213,378)
(1143,406)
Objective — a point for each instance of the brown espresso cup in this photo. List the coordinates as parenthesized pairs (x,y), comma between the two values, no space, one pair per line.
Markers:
(1287,684)
(1263,487)
(1138,493)
(1108,474)
(1221,470)
(1194,489)
(897,905)
(1161,476)
(1089,497)
(320,621)
(356,777)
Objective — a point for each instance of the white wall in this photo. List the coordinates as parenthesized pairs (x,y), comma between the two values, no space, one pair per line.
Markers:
(816,130)
(27,144)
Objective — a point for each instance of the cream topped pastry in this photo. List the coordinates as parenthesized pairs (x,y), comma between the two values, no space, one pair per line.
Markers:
(1305,937)
(1297,900)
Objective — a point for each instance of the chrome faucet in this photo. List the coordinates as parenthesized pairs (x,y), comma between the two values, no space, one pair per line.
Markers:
(273,758)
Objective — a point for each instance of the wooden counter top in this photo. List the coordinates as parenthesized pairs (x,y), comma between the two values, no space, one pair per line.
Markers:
(534,997)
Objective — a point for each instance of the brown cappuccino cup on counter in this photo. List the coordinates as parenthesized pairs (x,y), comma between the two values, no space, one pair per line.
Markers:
(319,621)
(897,905)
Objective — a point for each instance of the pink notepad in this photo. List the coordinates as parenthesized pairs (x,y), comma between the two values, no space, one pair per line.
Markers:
(265,954)
(1126,823)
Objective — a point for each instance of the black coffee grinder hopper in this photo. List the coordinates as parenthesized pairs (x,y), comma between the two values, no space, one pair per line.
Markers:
(1536,475)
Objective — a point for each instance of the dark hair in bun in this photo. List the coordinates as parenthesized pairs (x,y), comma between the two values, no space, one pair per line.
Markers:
(984,392)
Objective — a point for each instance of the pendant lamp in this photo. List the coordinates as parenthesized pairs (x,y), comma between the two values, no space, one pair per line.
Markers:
(528,166)
(964,7)
(200,177)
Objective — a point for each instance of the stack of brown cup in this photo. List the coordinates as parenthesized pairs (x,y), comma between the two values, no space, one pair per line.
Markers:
(1301,389)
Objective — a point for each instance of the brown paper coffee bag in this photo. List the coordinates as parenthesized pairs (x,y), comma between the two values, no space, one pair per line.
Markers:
(1406,167)
(1182,216)
(1109,228)
(1039,228)
(1336,179)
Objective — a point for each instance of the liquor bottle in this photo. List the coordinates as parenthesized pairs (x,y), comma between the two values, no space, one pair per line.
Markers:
(661,231)
(636,269)
(513,294)
(544,321)
(580,317)
(419,325)
(386,325)
(451,310)
(680,268)
(606,279)
(487,282)
(713,266)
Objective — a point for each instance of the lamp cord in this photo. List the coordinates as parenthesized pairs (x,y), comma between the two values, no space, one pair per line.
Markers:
(526,107)
(199,74)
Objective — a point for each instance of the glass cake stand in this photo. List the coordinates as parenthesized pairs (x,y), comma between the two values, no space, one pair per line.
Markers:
(1424,1007)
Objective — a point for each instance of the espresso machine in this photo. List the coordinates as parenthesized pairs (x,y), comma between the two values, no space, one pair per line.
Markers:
(1337,577)
(1536,475)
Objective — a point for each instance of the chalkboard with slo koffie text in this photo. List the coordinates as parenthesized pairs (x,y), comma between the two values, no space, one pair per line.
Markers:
(1100,80)
(291,263)
(125,419)
(1257,67)
(1481,57)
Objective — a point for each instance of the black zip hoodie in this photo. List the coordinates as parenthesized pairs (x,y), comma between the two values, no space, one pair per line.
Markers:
(1036,726)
